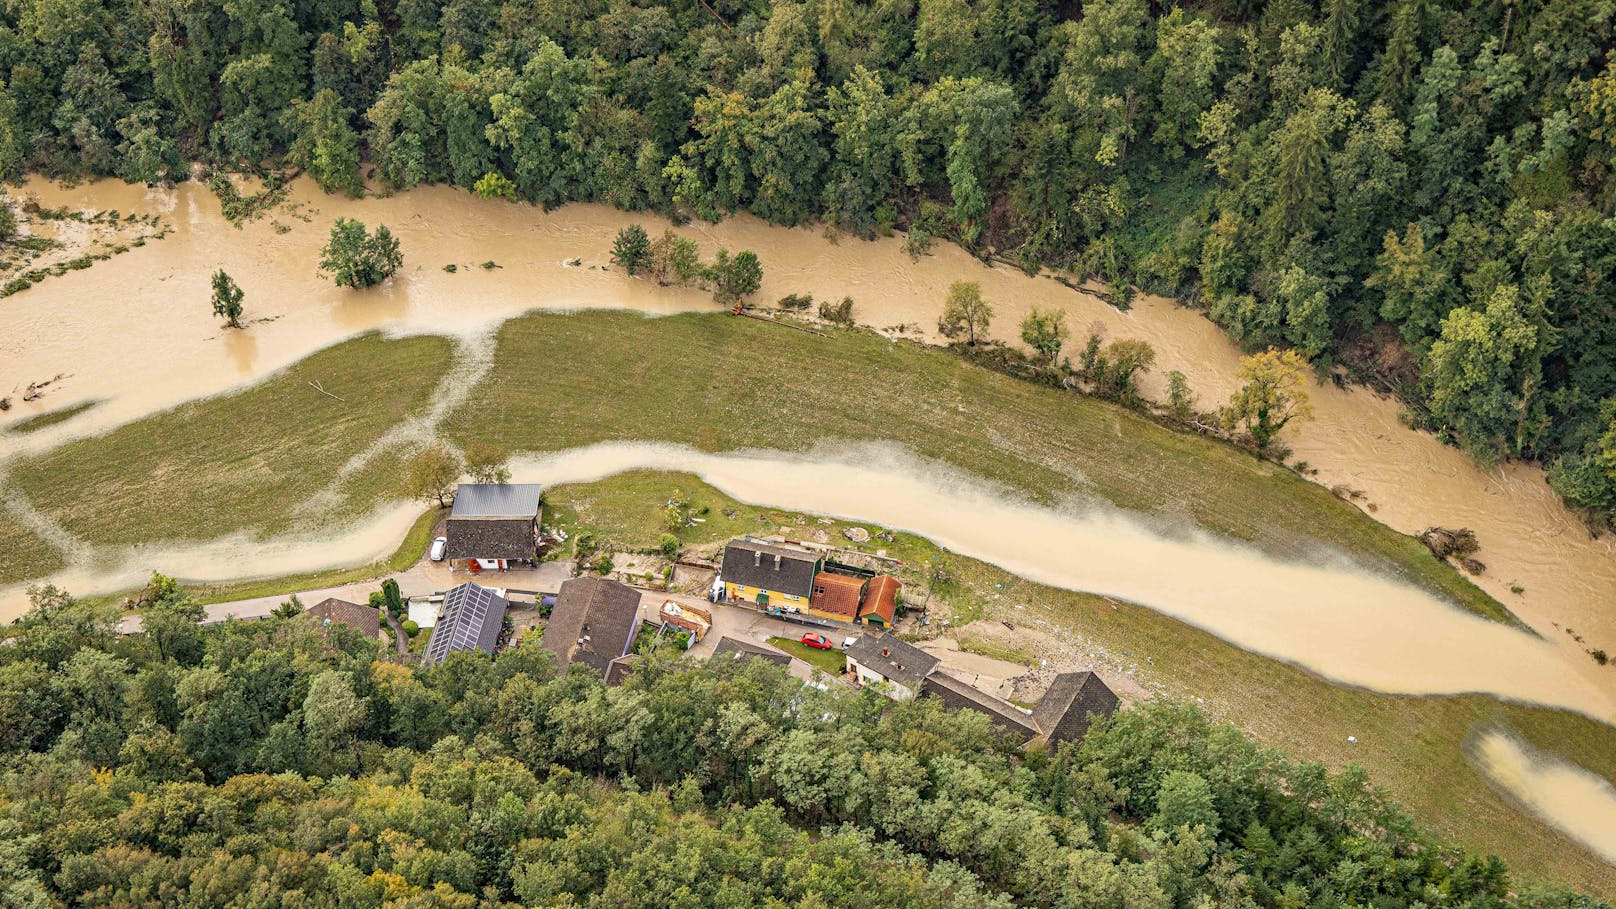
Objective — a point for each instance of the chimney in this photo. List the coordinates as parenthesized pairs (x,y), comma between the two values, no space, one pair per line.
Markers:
(777,561)
(757,559)
(886,651)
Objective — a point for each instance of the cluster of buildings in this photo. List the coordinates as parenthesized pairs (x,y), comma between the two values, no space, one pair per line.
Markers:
(782,578)
(594,621)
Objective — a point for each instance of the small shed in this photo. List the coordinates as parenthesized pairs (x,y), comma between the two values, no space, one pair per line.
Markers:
(880,607)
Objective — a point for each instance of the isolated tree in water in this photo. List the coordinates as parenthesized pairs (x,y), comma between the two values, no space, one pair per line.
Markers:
(735,277)
(632,249)
(1272,397)
(1045,332)
(354,257)
(965,313)
(227,299)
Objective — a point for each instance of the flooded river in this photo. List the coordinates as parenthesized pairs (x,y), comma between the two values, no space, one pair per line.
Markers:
(1578,803)
(136,334)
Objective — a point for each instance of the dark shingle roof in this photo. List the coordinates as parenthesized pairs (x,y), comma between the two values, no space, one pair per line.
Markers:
(736,649)
(893,659)
(471,620)
(475,538)
(1072,699)
(604,611)
(956,695)
(331,609)
(770,567)
(496,500)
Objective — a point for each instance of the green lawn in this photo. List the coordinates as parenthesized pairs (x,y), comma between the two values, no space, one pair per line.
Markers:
(242,461)
(830,661)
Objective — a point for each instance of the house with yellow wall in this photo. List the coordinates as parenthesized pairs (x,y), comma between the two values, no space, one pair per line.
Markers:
(769,575)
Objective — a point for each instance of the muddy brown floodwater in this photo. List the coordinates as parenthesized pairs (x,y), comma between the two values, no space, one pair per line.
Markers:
(135,333)
(1580,804)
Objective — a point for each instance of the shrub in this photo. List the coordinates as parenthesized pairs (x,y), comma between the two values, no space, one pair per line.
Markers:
(410,628)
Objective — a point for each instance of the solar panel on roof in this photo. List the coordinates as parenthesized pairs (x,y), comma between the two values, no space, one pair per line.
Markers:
(472,618)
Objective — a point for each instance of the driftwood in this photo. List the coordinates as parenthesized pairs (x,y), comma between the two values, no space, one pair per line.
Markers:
(317,387)
(1456,544)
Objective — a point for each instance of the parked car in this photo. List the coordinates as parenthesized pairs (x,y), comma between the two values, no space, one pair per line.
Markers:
(816,641)
(438,546)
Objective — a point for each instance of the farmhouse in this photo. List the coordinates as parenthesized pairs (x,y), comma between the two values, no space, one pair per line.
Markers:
(593,623)
(897,667)
(472,618)
(494,526)
(772,576)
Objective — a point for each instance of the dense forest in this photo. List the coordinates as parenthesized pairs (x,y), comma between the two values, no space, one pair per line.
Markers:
(281,763)
(1417,190)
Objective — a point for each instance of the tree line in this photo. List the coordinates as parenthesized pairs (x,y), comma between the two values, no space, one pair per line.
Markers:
(1419,191)
(284,763)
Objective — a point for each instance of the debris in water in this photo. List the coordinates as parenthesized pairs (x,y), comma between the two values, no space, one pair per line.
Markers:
(1445,543)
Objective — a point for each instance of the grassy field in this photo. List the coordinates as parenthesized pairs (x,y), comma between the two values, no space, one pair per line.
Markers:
(251,460)
(243,461)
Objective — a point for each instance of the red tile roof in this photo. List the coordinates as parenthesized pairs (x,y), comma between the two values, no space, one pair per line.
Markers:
(836,594)
(882,599)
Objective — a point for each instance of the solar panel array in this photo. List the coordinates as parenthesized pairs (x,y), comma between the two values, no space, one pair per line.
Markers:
(472,616)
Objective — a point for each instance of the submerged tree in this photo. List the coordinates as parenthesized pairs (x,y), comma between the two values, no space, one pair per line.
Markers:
(227,299)
(632,249)
(1272,396)
(965,313)
(354,257)
(735,277)
(1045,331)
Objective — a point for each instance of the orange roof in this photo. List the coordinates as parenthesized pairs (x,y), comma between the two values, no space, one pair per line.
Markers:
(837,594)
(882,600)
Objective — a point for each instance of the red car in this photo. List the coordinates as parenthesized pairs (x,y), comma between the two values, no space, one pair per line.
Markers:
(816,641)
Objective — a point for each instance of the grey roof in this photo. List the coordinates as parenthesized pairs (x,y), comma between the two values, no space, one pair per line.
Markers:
(893,659)
(603,611)
(956,695)
(471,620)
(618,670)
(770,567)
(485,538)
(1065,711)
(496,500)
(735,649)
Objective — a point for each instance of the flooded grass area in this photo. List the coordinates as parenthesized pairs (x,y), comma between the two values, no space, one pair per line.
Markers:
(243,461)
(719,383)
(23,555)
(50,418)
